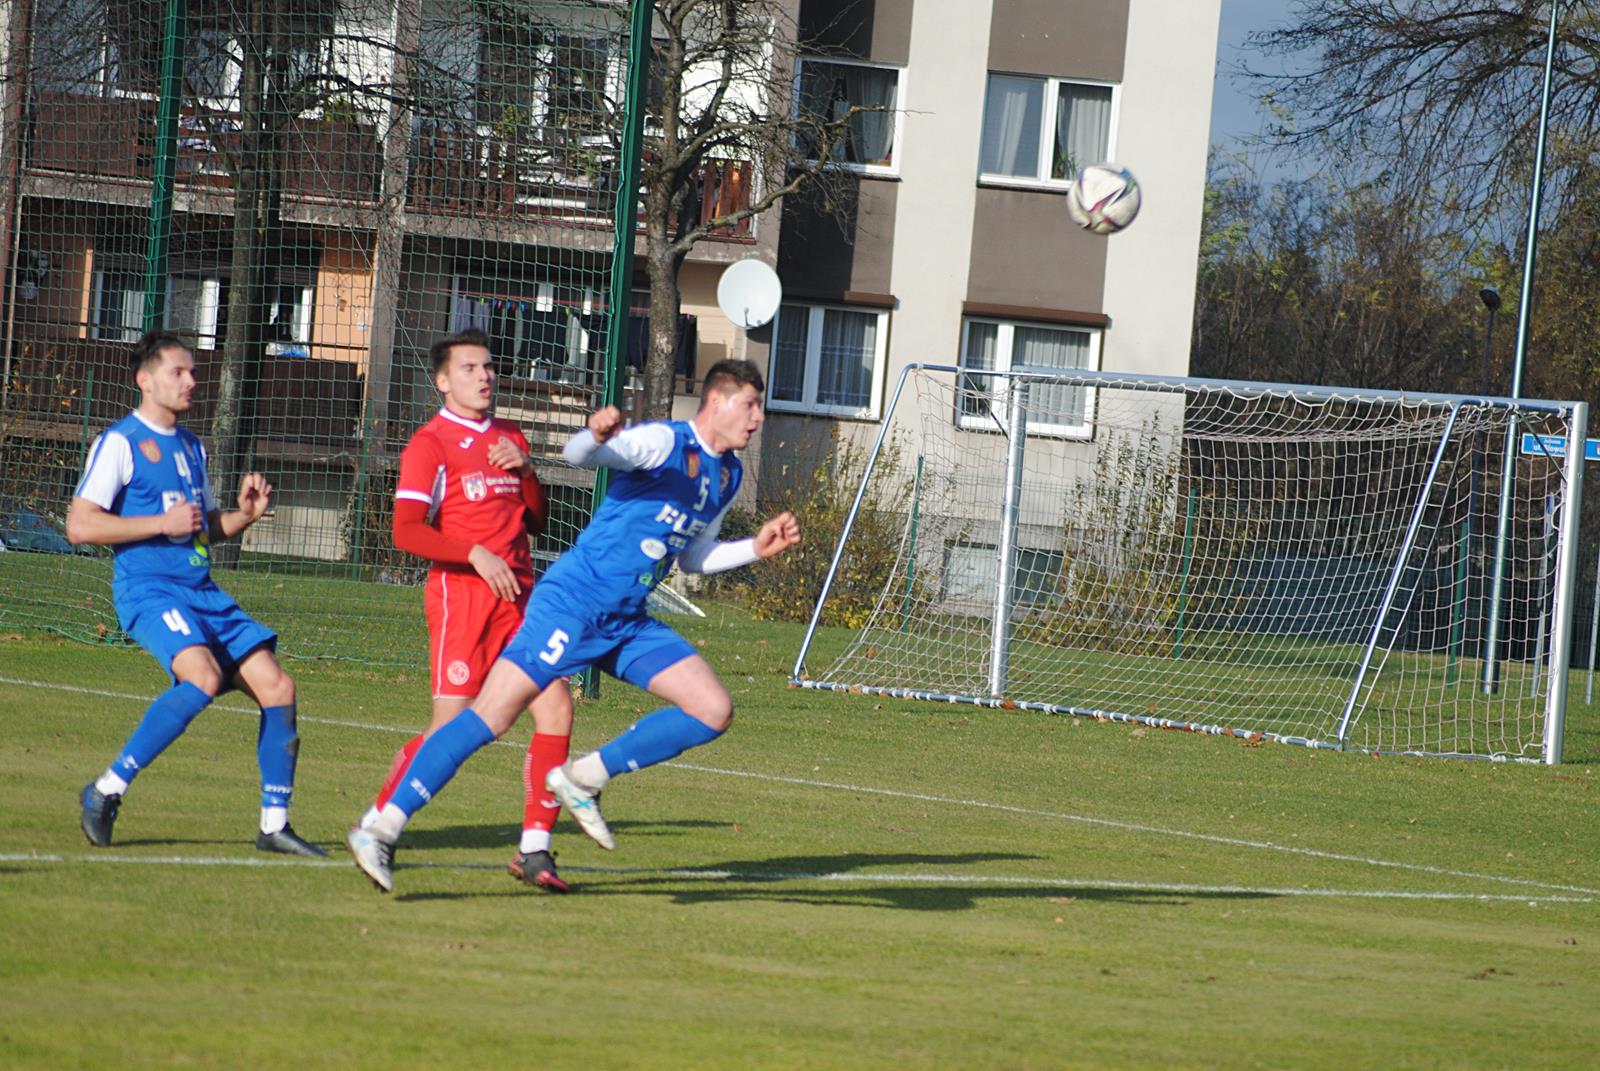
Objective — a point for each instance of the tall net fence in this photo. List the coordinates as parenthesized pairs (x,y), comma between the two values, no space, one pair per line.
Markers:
(350,180)
(1305,565)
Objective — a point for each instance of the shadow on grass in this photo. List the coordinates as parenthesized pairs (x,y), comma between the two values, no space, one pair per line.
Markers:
(504,834)
(801,877)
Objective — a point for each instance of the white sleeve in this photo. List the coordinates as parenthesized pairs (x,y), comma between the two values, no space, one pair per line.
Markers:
(705,554)
(643,446)
(108,471)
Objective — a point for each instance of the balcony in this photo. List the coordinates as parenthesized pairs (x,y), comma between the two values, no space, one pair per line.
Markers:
(455,170)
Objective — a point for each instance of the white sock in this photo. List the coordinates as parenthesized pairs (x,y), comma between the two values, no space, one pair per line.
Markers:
(390,823)
(370,817)
(273,819)
(110,784)
(589,772)
(534,840)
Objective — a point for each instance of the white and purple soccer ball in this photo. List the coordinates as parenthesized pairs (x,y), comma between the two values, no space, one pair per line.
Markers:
(1104,198)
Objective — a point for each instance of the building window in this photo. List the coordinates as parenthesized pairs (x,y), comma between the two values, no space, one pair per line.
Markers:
(972,571)
(541,331)
(827,360)
(1042,130)
(866,98)
(1062,409)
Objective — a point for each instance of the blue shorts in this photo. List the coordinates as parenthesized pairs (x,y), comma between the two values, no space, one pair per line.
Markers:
(560,637)
(166,618)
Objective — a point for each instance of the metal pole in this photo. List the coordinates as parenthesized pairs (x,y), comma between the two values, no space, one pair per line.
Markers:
(1000,626)
(624,222)
(1594,626)
(850,518)
(1541,605)
(1393,589)
(911,550)
(1491,654)
(166,165)
(1566,584)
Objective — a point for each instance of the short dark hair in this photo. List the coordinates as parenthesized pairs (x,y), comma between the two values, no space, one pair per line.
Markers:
(147,351)
(729,376)
(439,352)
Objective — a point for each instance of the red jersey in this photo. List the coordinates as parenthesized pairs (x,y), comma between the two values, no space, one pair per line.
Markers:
(446,467)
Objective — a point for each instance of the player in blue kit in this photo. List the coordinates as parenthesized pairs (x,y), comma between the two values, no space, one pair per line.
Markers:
(145,494)
(674,483)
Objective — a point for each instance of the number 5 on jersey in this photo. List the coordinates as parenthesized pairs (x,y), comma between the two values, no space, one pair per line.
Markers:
(554,647)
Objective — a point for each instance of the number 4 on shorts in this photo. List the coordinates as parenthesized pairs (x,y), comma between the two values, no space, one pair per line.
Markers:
(175,621)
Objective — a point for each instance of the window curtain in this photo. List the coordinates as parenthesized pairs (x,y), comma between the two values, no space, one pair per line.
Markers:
(1011,115)
(1083,128)
(789,354)
(849,343)
(871,137)
(980,354)
(1043,347)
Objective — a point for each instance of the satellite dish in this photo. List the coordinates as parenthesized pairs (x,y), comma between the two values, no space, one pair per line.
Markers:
(749,293)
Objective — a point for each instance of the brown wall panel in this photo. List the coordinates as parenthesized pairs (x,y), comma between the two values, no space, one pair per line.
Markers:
(1027,251)
(1065,38)
(867,29)
(827,255)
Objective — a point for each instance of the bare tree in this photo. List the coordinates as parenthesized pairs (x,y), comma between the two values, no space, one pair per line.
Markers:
(724,70)
(1436,94)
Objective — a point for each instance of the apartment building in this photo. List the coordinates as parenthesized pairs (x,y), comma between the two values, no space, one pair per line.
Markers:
(491,209)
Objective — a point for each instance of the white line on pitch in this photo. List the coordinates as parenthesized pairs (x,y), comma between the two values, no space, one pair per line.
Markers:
(832,877)
(1033,812)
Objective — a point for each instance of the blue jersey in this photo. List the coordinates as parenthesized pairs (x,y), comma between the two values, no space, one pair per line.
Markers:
(138,470)
(650,514)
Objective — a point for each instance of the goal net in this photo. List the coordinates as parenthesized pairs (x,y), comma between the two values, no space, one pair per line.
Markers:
(1335,568)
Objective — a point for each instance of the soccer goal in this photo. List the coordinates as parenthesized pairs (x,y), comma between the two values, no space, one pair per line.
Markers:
(1348,569)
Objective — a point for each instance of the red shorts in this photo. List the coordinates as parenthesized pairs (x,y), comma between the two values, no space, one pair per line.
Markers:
(468,627)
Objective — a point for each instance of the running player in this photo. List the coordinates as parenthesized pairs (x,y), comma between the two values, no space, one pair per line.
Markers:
(674,483)
(468,500)
(145,494)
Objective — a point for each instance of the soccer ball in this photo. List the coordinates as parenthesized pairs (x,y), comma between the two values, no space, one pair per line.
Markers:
(1104,198)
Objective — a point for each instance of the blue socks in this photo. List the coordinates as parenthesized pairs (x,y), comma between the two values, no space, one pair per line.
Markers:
(437,761)
(277,748)
(658,736)
(163,722)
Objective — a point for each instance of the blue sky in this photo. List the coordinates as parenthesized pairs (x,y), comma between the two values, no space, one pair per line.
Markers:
(1234,113)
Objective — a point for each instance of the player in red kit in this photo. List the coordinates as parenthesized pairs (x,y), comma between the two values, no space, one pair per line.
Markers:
(468,500)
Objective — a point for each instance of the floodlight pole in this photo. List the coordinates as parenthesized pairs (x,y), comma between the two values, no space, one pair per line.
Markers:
(1491,650)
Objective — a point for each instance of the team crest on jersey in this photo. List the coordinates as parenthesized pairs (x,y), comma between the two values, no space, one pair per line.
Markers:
(151,450)
(475,487)
(691,462)
(458,673)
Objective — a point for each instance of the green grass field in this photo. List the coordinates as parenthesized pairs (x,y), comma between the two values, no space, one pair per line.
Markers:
(841,882)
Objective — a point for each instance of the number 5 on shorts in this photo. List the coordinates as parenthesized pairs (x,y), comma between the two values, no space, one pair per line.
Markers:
(554,648)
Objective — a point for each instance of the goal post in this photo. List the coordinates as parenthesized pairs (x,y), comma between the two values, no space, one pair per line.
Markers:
(1303,564)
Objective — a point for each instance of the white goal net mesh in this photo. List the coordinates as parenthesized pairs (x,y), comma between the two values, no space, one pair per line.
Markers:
(1301,564)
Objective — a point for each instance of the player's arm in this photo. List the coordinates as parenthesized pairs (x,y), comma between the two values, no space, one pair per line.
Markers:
(89,516)
(255,493)
(706,554)
(90,522)
(606,444)
(511,454)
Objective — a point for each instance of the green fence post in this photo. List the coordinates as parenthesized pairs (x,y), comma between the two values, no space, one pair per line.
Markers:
(166,164)
(625,221)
